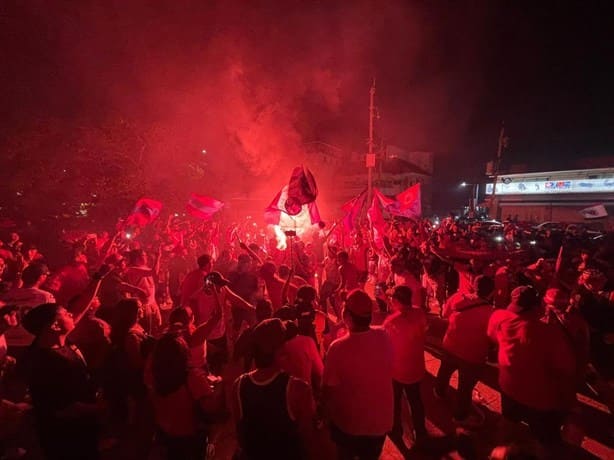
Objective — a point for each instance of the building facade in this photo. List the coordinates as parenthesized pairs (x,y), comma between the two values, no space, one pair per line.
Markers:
(557,196)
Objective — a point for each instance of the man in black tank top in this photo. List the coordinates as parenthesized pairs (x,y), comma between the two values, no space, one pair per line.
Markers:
(274,412)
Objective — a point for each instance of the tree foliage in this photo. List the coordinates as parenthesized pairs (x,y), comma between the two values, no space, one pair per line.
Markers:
(54,169)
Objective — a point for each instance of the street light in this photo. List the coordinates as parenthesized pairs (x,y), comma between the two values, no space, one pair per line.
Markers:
(473,200)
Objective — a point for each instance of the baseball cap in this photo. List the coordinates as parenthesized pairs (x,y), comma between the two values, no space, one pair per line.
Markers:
(359,303)
(524,298)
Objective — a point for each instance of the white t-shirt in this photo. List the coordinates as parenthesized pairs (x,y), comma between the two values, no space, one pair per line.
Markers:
(26,299)
(358,370)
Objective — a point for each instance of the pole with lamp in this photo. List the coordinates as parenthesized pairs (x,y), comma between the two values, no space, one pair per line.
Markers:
(370,158)
(503,142)
(474,198)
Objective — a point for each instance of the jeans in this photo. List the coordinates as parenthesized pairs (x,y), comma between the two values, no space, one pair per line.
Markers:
(468,376)
(412,392)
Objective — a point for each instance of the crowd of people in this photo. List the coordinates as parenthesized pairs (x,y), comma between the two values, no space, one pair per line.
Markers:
(147,340)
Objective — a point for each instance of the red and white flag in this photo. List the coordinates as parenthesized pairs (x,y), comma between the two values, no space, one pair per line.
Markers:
(409,203)
(145,211)
(272,213)
(302,189)
(203,207)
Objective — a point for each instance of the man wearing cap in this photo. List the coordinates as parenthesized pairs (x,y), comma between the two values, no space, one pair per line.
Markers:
(26,298)
(536,364)
(406,328)
(274,411)
(357,383)
(465,343)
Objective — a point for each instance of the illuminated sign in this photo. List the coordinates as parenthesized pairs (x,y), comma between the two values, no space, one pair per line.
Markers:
(532,187)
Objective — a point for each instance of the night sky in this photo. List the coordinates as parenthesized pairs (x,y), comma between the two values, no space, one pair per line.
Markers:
(253,81)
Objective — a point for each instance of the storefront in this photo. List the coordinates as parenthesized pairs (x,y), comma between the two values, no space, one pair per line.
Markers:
(558,196)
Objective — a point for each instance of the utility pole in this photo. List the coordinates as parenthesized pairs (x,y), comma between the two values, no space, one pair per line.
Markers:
(500,147)
(370,159)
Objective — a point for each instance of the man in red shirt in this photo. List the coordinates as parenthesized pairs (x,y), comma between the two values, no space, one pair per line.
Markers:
(465,343)
(406,328)
(537,365)
(194,280)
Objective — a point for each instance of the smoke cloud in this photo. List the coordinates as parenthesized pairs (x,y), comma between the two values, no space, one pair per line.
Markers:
(252,82)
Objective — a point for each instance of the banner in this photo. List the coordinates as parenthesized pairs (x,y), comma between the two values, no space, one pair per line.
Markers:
(145,211)
(203,207)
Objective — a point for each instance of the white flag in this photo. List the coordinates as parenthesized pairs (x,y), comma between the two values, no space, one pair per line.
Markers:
(594,212)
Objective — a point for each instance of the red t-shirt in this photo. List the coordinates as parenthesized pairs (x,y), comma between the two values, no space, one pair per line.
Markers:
(176,414)
(407,332)
(468,321)
(536,361)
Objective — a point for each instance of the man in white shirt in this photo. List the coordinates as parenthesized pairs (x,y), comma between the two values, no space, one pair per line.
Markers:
(26,298)
(357,383)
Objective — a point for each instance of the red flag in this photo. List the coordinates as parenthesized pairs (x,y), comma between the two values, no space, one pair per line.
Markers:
(145,211)
(409,203)
(302,189)
(378,224)
(386,202)
(203,207)
(354,202)
(352,209)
